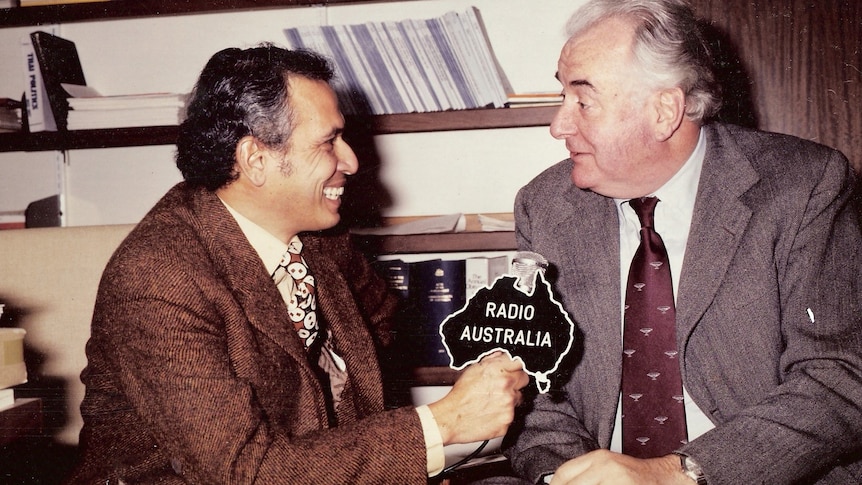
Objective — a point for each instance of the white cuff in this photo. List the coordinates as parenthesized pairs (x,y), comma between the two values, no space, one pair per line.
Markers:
(433,441)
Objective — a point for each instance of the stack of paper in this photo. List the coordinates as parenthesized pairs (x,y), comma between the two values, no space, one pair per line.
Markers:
(492,224)
(90,110)
(527,100)
(427,225)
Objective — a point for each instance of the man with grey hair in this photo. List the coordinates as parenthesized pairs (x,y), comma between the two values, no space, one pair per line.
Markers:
(761,236)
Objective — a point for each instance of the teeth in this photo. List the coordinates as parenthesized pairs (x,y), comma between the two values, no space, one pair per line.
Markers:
(333,192)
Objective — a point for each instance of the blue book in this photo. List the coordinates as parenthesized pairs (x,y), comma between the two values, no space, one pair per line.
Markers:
(437,289)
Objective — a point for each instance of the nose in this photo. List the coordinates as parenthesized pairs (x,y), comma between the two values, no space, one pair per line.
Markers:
(564,123)
(347,161)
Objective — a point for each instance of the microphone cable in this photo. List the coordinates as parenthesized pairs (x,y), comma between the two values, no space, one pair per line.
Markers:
(449,469)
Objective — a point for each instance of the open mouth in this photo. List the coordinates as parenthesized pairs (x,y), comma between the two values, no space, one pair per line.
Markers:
(333,193)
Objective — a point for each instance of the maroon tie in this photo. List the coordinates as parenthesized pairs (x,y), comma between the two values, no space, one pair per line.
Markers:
(653,411)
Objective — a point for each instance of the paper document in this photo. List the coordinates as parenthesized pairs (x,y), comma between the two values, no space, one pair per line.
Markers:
(430,225)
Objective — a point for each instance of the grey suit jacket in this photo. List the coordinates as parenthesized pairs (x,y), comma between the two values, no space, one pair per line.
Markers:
(774,234)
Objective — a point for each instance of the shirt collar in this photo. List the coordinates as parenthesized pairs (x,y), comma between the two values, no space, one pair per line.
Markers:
(268,247)
(680,191)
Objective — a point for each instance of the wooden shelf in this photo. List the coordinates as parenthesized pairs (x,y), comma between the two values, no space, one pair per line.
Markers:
(471,119)
(437,243)
(475,119)
(22,420)
(71,140)
(117,9)
(471,238)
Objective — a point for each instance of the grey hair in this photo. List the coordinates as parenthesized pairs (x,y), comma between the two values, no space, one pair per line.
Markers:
(669,47)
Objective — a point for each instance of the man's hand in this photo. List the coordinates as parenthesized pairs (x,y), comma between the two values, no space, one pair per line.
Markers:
(481,404)
(606,467)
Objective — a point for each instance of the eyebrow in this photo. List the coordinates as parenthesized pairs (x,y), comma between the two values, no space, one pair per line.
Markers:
(331,134)
(577,82)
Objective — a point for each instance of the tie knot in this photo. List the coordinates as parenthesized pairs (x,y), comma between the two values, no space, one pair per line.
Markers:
(645,208)
(294,246)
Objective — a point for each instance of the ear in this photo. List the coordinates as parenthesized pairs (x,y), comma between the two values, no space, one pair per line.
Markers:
(670,112)
(251,159)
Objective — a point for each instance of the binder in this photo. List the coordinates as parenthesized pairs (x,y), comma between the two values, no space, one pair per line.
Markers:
(58,63)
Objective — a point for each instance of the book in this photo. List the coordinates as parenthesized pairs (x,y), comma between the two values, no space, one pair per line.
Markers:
(413,65)
(39,114)
(523,100)
(436,291)
(396,272)
(58,63)
(12,220)
(415,73)
(90,110)
(454,35)
(451,65)
(7,398)
(319,40)
(474,27)
(13,371)
(346,80)
(386,48)
(481,272)
(380,73)
(439,86)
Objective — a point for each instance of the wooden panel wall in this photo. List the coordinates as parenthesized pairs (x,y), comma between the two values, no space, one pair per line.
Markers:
(792,66)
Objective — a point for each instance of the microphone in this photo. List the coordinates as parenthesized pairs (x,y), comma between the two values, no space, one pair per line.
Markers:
(525,266)
(518,314)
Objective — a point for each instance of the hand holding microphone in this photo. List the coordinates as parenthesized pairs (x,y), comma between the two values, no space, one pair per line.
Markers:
(518,315)
(481,404)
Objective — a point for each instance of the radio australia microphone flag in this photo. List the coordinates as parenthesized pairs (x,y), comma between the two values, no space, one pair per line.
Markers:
(518,315)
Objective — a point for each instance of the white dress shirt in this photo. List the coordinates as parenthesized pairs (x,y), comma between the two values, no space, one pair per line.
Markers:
(271,249)
(672,222)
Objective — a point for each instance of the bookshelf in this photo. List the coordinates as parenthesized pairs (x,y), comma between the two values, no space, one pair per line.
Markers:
(380,125)
(472,240)
(119,9)
(165,135)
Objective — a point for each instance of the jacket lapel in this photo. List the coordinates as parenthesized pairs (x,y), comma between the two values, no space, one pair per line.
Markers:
(245,273)
(595,264)
(337,309)
(719,220)
(589,238)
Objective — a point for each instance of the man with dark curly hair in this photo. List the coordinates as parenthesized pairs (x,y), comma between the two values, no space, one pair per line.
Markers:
(233,340)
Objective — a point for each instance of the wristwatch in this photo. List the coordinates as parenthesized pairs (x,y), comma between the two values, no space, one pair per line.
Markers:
(691,469)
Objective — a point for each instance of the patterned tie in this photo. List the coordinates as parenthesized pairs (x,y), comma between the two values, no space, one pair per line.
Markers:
(301,301)
(653,410)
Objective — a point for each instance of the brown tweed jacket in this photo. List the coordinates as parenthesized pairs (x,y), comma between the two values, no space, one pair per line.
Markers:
(194,377)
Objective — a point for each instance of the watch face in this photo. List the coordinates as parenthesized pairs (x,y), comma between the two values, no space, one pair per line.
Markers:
(690,465)
(693,470)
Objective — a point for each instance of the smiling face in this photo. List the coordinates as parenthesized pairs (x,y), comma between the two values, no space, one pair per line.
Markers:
(606,118)
(304,183)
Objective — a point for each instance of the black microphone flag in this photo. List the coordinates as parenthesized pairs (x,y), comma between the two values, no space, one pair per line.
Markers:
(518,315)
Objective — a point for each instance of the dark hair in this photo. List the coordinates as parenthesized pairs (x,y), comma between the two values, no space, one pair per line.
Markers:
(240,92)
(669,45)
